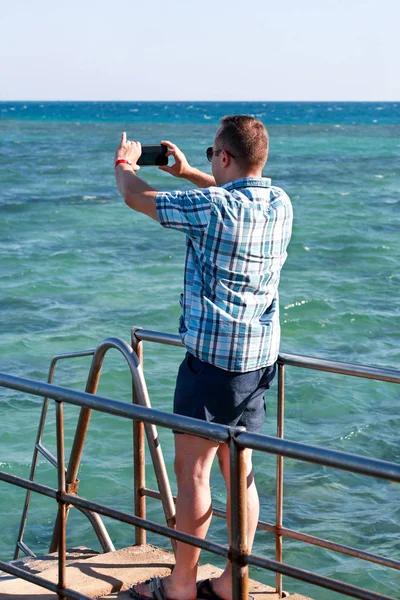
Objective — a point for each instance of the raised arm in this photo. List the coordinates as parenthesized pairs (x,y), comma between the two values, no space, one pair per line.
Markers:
(182,169)
(137,194)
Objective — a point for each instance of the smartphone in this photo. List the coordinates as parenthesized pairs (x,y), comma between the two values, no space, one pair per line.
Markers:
(153,155)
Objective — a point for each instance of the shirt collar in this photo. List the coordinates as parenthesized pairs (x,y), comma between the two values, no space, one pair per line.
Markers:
(244,182)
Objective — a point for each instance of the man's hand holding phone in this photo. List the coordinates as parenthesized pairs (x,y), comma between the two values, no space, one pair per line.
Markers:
(132,155)
(181,167)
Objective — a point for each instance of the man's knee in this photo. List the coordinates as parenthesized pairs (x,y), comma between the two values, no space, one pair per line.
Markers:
(193,472)
(180,465)
(193,458)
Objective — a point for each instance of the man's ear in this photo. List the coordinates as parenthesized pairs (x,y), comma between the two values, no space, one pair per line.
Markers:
(226,159)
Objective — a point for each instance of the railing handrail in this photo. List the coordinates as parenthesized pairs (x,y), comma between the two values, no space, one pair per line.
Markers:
(284,359)
(220,433)
(238,440)
(295,360)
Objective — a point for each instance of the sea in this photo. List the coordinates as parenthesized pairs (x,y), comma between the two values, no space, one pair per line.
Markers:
(78,266)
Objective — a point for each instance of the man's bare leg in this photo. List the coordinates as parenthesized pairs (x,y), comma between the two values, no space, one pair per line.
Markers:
(193,461)
(223,584)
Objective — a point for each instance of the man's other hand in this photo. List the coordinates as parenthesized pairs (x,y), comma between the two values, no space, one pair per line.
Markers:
(129,151)
(181,167)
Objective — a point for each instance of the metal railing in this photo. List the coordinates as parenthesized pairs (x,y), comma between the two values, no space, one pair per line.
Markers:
(140,335)
(238,441)
(39,448)
(72,482)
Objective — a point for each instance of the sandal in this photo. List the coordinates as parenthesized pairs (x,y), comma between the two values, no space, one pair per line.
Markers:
(156,589)
(205,591)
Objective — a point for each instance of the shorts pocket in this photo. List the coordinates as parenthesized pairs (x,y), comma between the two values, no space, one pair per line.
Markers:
(193,364)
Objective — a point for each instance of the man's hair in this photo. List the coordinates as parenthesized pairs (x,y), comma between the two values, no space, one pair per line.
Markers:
(246,138)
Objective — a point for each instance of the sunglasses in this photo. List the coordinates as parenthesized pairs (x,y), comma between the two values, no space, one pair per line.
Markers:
(210,152)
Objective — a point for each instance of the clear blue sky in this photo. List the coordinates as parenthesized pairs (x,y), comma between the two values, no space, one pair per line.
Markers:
(208,50)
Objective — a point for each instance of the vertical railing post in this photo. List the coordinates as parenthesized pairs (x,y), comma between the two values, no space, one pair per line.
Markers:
(155,452)
(238,495)
(62,512)
(80,435)
(31,477)
(139,474)
(279,476)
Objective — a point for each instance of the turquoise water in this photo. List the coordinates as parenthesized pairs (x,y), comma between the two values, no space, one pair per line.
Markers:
(78,266)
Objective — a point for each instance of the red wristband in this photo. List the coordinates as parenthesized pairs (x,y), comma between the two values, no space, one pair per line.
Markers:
(121,161)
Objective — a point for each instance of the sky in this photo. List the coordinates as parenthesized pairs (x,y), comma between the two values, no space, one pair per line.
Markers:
(208,50)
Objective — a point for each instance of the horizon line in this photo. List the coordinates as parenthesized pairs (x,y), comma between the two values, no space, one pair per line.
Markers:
(211,101)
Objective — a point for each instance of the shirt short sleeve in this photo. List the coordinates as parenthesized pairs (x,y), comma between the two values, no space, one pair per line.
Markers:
(187,211)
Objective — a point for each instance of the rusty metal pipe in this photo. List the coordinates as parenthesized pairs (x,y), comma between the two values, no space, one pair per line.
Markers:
(340,460)
(62,534)
(332,458)
(84,417)
(251,559)
(40,448)
(295,360)
(95,507)
(99,529)
(355,463)
(303,537)
(139,457)
(213,431)
(341,368)
(170,339)
(40,581)
(335,547)
(24,517)
(141,394)
(78,442)
(238,494)
(314,579)
(124,517)
(279,476)
(95,520)
(33,486)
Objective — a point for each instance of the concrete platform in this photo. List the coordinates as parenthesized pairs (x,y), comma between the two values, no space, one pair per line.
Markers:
(108,575)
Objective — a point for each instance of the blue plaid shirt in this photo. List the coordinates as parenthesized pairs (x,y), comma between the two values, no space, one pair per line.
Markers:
(236,240)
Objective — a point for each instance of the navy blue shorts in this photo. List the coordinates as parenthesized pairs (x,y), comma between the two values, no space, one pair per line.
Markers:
(211,394)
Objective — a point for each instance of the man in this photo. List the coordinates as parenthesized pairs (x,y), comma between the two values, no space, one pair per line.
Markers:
(237,230)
